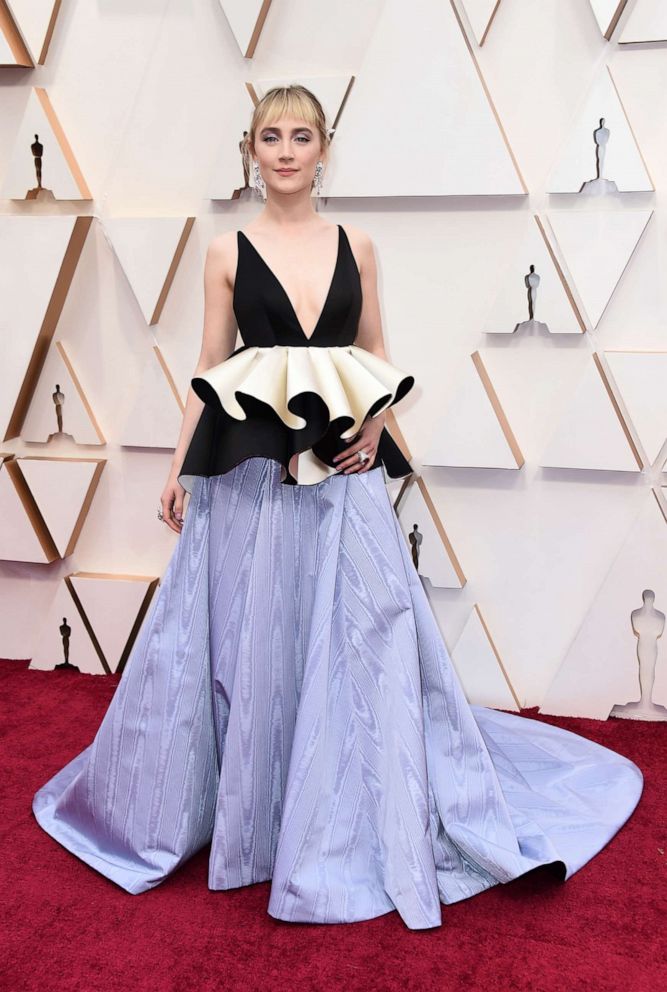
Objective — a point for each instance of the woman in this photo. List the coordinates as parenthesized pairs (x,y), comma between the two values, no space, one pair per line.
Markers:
(289,697)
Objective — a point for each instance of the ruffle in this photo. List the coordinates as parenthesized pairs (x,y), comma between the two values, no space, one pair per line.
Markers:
(299,405)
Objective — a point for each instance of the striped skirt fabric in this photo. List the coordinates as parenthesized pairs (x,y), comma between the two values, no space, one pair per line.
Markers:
(289,699)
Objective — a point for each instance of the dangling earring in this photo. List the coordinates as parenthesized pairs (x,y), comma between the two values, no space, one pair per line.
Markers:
(319,171)
(260,185)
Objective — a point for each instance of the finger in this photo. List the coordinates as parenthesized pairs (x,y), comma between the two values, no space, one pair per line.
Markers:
(349,456)
(167,517)
(359,466)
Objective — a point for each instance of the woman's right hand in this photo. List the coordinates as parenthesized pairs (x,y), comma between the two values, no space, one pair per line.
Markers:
(171,500)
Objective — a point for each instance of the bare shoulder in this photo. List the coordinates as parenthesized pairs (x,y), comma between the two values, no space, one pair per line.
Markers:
(221,255)
(361,245)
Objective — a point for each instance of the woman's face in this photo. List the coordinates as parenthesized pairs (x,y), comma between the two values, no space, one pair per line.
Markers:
(287,144)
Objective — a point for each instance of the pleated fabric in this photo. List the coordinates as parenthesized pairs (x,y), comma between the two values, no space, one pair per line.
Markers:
(290,699)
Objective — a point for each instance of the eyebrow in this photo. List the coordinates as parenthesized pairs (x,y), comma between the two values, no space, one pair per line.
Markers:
(272,128)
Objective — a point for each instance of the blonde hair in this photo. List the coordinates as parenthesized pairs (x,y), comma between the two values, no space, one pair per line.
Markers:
(287,101)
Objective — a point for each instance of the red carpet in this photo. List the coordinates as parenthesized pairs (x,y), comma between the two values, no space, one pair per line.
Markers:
(67,928)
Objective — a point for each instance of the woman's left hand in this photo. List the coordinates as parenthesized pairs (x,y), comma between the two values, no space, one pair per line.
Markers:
(366,440)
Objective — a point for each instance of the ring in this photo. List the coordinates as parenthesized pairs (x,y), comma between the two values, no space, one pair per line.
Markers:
(362,456)
(160,514)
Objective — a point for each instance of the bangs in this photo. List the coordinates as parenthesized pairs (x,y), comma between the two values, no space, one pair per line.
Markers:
(285,102)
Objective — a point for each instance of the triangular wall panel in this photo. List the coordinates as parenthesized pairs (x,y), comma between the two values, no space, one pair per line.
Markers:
(149,249)
(647,22)
(473,431)
(591,432)
(113,607)
(246,20)
(59,404)
(480,669)
(155,417)
(607,13)
(13,49)
(38,258)
(55,643)
(24,535)
(432,551)
(641,378)
(420,77)
(61,176)
(597,246)
(622,164)
(537,299)
(63,489)
(228,175)
(480,13)
(601,667)
(36,21)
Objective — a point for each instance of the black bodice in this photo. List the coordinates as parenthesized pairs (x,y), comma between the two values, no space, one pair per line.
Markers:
(265,313)
(269,326)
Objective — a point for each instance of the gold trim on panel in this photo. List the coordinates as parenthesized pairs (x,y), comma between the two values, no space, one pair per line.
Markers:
(661,501)
(345,97)
(123,576)
(175,262)
(497,409)
(87,625)
(617,410)
(497,654)
(49,32)
(88,497)
(79,388)
(489,22)
(257,30)
(47,330)
(32,511)
(488,26)
(136,626)
(561,274)
(442,533)
(169,377)
(19,49)
(401,492)
(65,146)
(611,27)
(634,136)
(487,93)
(152,584)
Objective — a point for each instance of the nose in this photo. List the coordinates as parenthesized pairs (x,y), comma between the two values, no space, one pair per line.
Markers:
(286,152)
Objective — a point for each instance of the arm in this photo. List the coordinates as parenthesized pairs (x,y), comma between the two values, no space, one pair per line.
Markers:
(218,339)
(369,334)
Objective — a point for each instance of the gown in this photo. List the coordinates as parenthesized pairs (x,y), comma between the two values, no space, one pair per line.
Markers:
(289,698)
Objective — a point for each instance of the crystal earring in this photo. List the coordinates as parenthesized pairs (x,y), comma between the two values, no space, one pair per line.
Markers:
(319,171)
(260,185)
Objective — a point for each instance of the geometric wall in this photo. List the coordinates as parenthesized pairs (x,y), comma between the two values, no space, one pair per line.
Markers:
(507,161)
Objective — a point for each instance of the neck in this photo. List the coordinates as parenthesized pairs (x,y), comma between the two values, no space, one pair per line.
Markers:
(294,210)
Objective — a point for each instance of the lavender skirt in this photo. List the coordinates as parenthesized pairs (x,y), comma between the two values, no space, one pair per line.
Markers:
(290,699)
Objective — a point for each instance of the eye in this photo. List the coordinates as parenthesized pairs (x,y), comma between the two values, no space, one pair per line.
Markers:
(305,137)
(267,137)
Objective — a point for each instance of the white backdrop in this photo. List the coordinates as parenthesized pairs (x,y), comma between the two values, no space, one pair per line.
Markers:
(153,99)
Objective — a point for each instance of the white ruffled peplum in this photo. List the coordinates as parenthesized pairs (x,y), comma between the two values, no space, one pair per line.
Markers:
(299,405)
(352,381)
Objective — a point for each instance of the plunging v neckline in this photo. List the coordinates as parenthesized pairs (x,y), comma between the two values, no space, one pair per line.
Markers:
(308,337)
